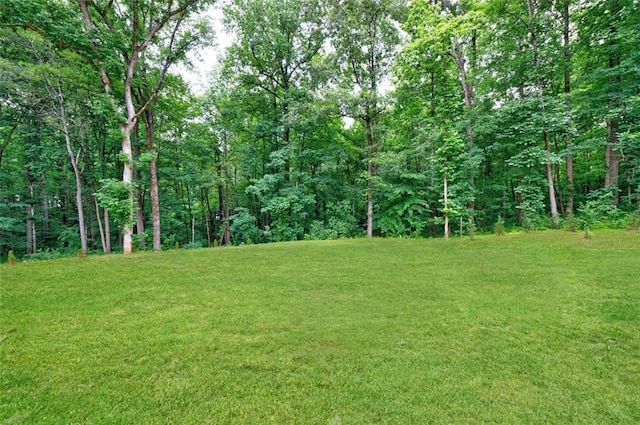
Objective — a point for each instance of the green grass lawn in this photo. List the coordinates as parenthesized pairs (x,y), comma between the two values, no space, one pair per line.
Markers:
(520,329)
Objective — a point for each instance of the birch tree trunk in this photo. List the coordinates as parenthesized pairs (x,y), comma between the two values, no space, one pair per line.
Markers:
(76,171)
(370,146)
(460,59)
(32,246)
(553,206)
(447,231)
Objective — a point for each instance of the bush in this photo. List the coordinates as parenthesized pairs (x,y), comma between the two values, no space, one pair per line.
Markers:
(599,210)
(244,227)
(499,226)
(632,221)
(11,259)
(140,241)
(340,224)
(48,254)
(571,222)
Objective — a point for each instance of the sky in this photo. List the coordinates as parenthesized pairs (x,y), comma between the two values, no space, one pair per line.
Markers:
(204,60)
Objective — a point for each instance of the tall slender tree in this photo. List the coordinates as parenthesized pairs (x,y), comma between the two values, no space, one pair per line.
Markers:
(137,25)
(365,37)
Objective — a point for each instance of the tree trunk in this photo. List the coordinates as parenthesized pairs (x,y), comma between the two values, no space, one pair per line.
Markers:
(155,204)
(154,192)
(370,146)
(32,246)
(547,145)
(80,208)
(612,155)
(459,56)
(76,172)
(552,193)
(138,193)
(369,200)
(519,200)
(286,140)
(128,169)
(107,232)
(100,227)
(44,202)
(447,231)
(127,179)
(567,97)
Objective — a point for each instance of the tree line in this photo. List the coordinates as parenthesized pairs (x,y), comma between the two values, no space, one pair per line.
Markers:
(323,119)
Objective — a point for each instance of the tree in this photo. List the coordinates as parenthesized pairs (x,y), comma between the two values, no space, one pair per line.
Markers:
(54,86)
(447,32)
(40,79)
(607,57)
(365,36)
(137,25)
(276,66)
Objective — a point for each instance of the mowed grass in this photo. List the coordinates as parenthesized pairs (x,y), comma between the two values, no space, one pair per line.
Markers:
(520,329)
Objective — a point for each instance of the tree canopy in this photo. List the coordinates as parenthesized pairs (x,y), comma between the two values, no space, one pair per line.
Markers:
(321,120)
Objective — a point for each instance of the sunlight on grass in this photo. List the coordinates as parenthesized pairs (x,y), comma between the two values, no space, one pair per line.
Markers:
(535,328)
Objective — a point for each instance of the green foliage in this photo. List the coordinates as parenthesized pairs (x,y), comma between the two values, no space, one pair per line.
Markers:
(48,254)
(11,258)
(194,245)
(115,196)
(471,230)
(288,211)
(571,222)
(140,241)
(269,139)
(404,194)
(632,221)
(244,227)
(68,238)
(499,227)
(531,204)
(340,223)
(599,209)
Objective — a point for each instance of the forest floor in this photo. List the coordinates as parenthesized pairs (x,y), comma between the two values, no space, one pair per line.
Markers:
(527,328)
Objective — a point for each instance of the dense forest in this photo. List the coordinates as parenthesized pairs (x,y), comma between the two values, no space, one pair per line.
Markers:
(322,119)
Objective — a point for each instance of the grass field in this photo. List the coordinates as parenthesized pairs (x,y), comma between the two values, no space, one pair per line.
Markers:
(520,329)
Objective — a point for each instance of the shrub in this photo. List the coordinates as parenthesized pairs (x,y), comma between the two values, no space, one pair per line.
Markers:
(632,221)
(499,227)
(572,223)
(599,209)
(140,241)
(471,230)
(244,228)
(194,245)
(11,259)
(48,254)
